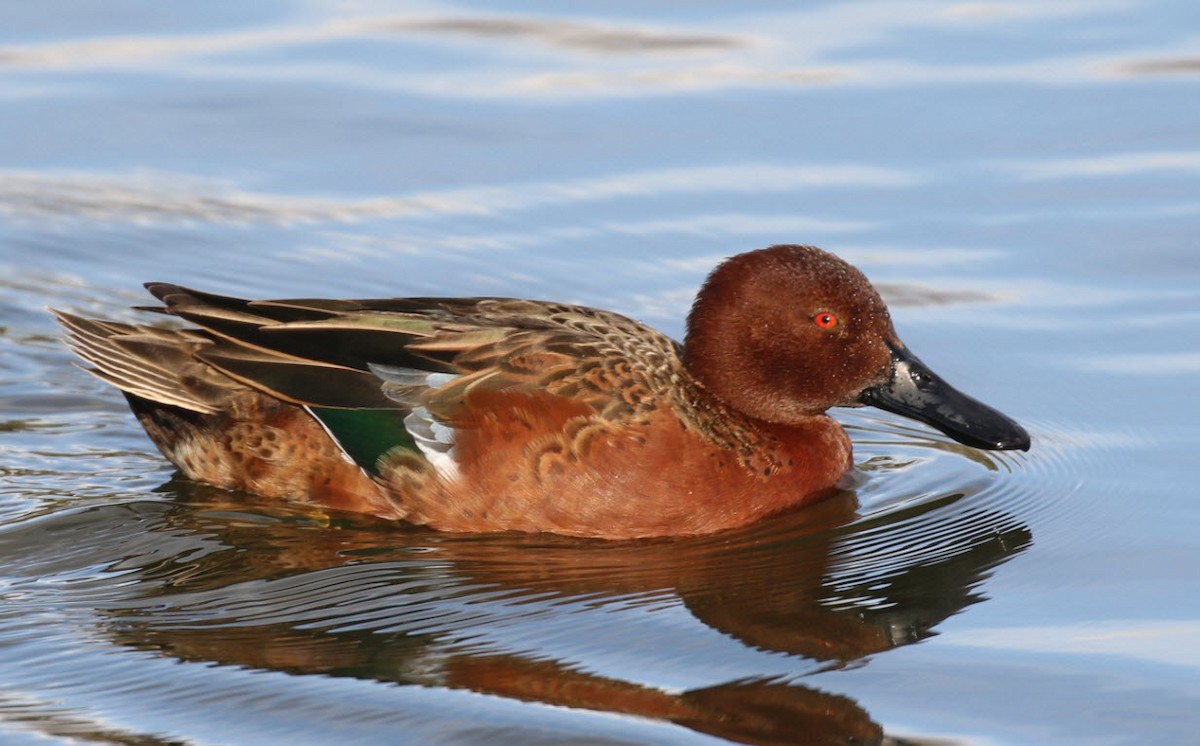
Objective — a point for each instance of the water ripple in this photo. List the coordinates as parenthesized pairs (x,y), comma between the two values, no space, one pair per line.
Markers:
(147,197)
(212,577)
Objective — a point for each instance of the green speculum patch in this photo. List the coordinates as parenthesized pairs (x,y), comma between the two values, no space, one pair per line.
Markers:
(366,434)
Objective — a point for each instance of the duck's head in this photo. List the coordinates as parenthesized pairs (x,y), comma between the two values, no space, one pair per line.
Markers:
(787,332)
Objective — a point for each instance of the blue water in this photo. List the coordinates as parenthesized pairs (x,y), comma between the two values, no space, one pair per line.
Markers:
(1020,179)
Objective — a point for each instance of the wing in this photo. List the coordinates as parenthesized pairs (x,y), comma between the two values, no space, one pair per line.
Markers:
(384,373)
(428,352)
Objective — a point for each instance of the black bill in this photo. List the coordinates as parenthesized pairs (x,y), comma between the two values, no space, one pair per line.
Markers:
(915,391)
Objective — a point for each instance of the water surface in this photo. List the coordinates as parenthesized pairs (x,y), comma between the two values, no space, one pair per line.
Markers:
(1019,178)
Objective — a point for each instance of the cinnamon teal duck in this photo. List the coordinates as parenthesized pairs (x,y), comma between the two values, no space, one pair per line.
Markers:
(500,414)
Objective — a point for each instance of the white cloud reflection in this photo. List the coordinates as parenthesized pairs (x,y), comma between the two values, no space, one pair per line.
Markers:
(576,36)
(536,56)
(1111,164)
(1156,641)
(154,196)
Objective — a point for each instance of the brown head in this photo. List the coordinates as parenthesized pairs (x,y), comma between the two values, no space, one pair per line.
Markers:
(786,332)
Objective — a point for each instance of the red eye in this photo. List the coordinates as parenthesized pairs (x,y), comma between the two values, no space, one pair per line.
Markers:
(825,320)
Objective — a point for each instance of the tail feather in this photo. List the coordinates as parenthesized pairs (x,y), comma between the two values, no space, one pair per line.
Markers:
(154,364)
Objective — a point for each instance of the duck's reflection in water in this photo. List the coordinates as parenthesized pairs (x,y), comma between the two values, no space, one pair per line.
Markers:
(376,602)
